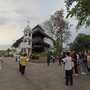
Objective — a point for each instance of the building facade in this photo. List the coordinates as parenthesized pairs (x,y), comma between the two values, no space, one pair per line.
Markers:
(33,40)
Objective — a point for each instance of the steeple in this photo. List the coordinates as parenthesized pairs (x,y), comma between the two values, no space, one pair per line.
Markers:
(27,28)
(27,40)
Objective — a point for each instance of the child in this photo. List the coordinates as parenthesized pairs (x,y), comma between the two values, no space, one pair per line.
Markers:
(68,63)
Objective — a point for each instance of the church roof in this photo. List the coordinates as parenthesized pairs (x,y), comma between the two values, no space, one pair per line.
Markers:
(36,29)
(40,29)
(17,43)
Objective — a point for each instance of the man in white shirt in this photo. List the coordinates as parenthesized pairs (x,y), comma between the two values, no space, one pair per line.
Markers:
(68,63)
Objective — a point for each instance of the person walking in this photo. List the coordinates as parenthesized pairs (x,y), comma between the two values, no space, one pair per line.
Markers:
(49,56)
(68,64)
(78,62)
(1,62)
(88,61)
(83,63)
(22,63)
(74,58)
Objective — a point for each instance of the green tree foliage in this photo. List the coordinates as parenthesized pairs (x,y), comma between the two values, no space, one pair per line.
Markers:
(80,9)
(81,43)
(8,51)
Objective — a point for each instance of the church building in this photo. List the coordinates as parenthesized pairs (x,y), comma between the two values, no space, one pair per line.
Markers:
(33,39)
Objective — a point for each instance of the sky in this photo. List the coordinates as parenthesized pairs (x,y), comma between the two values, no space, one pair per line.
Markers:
(15,13)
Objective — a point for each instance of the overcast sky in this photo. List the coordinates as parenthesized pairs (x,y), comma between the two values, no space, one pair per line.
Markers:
(15,13)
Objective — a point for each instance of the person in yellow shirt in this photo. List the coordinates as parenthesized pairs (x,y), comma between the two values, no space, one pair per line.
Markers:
(22,63)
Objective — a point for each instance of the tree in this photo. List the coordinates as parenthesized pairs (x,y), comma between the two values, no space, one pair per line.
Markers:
(49,27)
(59,29)
(80,9)
(81,43)
(8,51)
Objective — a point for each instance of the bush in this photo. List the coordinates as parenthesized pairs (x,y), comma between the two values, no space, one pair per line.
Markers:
(35,57)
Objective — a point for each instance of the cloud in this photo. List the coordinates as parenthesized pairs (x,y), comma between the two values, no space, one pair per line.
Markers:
(7,34)
(17,11)
(14,15)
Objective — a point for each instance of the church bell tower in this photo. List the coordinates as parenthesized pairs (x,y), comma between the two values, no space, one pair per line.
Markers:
(27,41)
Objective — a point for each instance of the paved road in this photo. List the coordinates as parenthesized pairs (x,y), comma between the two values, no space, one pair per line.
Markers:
(38,77)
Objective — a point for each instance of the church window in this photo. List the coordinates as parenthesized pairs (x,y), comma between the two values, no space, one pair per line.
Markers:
(29,34)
